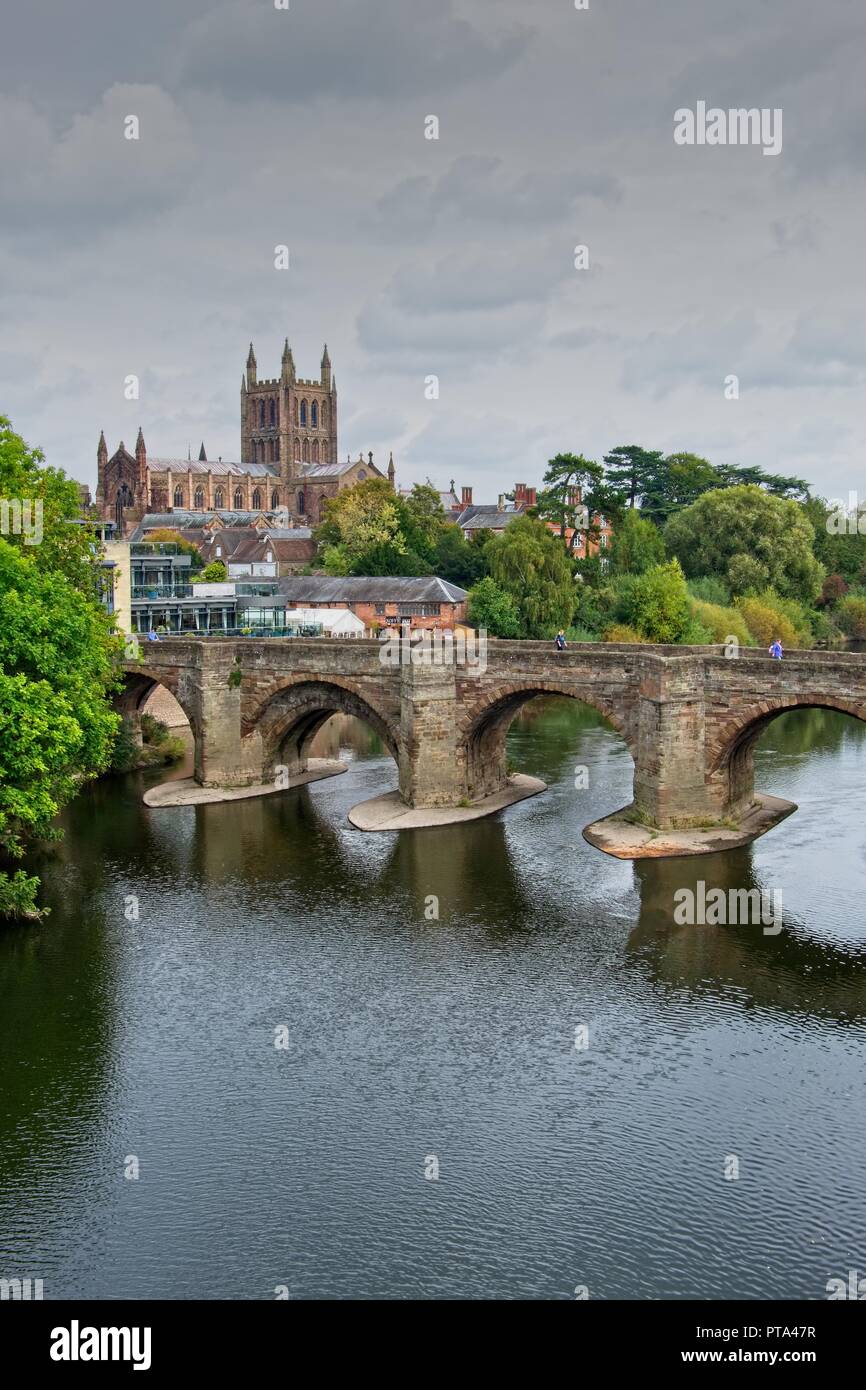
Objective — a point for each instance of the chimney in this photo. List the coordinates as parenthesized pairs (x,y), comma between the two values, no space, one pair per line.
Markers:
(531,497)
(519,494)
(466,495)
(502,501)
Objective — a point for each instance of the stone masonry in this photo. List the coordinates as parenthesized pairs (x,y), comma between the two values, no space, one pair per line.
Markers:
(690,716)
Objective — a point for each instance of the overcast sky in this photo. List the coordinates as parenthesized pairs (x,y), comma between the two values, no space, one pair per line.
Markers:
(451,257)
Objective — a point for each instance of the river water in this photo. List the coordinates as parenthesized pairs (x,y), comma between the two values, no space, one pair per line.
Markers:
(410,1043)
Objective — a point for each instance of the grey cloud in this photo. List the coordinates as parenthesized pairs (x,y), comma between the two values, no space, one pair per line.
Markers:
(343,49)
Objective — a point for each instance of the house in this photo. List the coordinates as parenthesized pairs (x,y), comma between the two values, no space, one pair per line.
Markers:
(381,601)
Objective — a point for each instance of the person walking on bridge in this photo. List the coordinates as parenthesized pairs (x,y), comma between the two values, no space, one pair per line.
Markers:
(560,641)
(776,650)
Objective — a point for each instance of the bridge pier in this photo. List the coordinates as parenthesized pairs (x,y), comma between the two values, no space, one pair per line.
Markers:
(431,770)
(670,775)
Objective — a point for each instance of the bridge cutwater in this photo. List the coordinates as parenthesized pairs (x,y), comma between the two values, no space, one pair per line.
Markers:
(689,715)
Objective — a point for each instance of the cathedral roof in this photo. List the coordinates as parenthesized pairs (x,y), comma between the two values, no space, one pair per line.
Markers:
(222,466)
(335,470)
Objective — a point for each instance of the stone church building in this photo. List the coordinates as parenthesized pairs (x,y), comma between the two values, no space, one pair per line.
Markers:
(288,454)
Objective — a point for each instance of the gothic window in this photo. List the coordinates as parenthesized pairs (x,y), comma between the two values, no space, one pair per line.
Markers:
(273,413)
(315,451)
(239,500)
(178,496)
(261,415)
(277,451)
(295,412)
(273,451)
(298,449)
(306,451)
(314,415)
(199,499)
(257,500)
(275,500)
(362,473)
(303,414)
(218,499)
(301,504)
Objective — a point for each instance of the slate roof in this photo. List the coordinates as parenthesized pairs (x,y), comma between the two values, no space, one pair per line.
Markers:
(224,467)
(324,588)
(181,520)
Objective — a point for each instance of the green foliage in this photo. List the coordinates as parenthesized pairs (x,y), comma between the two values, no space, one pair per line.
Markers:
(528,561)
(710,590)
(491,607)
(833,589)
(718,623)
(57,656)
(573,487)
(766,624)
(184,547)
(631,472)
(657,603)
(214,573)
(457,560)
(577,633)
(851,615)
(747,538)
(621,632)
(636,545)
(368,529)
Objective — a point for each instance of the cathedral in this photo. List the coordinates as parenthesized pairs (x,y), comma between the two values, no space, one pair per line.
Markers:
(288,458)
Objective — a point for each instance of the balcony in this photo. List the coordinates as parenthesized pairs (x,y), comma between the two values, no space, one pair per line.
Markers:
(158,591)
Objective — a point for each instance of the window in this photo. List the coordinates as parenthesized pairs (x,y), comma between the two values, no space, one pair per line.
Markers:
(199,499)
(295,412)
(239,500)
(277,450)
(314,415)
(272,451)
(273,413)
(178,496)
(306,451)
(303,414)
(298,450)
(362,473)
(419,610)
(315,451)
(218,499)
(261,415)
(275,500)
(257,500)
(301,504)
(380,610)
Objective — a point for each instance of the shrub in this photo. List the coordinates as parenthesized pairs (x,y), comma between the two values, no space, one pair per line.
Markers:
(833,589)
(621,632)
(657,604)
(720,623)
(851,615)
(766,624)
(577,633)
(709,589)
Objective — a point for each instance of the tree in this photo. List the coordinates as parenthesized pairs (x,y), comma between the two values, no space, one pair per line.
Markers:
(490,607)
(657,603)
(630,470)
(214,573)
(458,560)
(57,666)
(530,564)
(165,534)
(361,532)
(749,539)
(568,493)
(636,545)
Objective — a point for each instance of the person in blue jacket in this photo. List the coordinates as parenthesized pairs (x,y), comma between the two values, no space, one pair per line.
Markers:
(776,650)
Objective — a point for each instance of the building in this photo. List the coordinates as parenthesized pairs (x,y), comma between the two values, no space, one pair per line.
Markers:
(381,601)
(288,458)
(492,517)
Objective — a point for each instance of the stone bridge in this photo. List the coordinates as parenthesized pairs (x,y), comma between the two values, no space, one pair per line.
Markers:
(689,715)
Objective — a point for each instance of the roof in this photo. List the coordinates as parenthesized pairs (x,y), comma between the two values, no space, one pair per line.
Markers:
(180,520)
(222,467)
(311,589)
(485,518)
(333,470)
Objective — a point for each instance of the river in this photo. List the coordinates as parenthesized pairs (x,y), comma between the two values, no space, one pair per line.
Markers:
(708,1141)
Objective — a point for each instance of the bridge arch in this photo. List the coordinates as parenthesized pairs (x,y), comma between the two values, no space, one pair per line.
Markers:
(483,730)
(731,745)
(137,688)
(290,712)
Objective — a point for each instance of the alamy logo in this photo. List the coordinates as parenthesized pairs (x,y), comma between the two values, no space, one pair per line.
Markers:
(21,517)
(77,1343)
(854,1287)
(20,1290)
(436,648)
(737,126)
(714,907)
